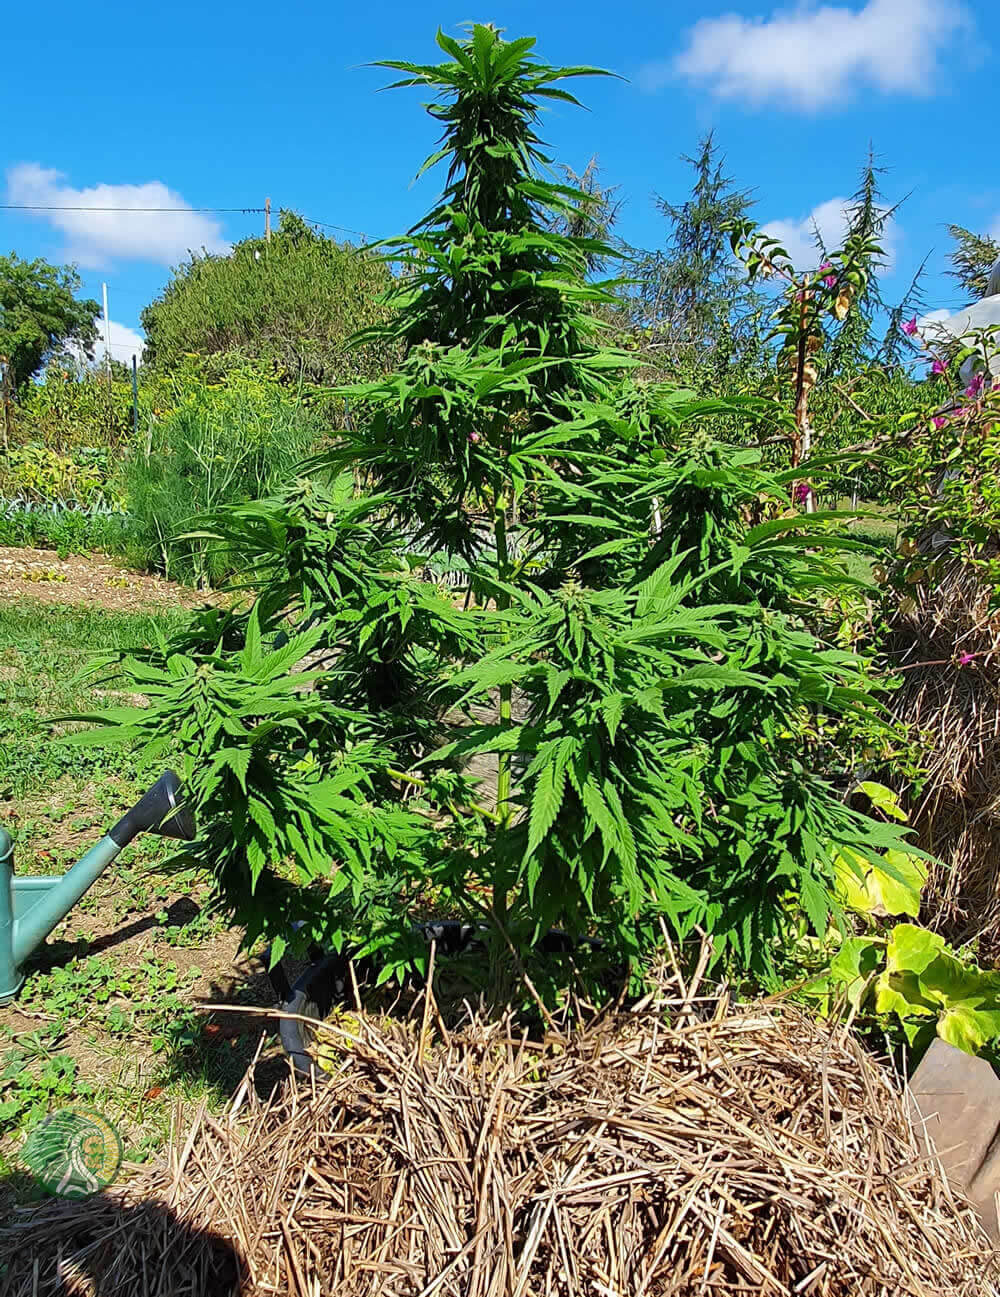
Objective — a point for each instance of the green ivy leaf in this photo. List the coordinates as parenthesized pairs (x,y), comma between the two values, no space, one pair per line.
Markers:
(855,966)
(885,799)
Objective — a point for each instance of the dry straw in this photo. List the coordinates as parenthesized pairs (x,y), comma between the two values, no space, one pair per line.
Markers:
(949,649)
(681,1148)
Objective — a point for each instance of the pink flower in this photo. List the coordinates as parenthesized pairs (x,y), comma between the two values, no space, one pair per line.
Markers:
(939,367)
(960,412)
(830,281)
(939,421)
(975,387)
(827,265)
(474,438)
(909,327)
(802,492)
(965,659)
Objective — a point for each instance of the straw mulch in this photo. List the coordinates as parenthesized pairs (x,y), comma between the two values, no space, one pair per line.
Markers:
(955,708)
(752,1152)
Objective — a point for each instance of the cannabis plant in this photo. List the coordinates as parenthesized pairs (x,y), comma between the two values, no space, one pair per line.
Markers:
(634,651)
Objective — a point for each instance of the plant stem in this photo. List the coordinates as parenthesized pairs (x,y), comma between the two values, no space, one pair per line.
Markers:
(506,691)
(417,782)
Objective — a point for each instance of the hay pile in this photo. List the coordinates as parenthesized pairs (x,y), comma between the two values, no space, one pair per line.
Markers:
(955,708)
(755,1152)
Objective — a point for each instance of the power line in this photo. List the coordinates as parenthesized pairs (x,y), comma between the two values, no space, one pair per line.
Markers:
(243,211)
(329,225)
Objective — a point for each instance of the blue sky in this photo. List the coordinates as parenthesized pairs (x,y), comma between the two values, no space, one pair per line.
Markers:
(220,104)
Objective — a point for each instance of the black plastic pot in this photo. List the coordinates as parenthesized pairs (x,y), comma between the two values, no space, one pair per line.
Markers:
(327,982)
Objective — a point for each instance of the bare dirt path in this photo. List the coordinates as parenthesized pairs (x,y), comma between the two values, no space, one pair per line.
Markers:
(92,581)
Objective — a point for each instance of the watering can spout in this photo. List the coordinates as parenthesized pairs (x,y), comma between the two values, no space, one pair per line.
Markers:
(158,811)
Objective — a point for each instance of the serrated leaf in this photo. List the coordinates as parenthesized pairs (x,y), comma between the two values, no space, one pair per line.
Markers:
(815,902)
(612,708)
(546,801)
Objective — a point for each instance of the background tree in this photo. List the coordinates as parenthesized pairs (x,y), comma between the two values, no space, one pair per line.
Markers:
(973,258)
(292,302)
(691,303)
(38,313)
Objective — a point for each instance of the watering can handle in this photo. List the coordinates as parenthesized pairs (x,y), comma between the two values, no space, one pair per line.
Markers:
(160,810)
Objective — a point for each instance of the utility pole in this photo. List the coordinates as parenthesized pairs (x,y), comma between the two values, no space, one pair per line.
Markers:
(135,401)
(5,386)
(107,334)
(267,220)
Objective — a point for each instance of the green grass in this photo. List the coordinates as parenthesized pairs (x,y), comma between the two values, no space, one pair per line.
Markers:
(43,650)
(877,527)
(108,1017)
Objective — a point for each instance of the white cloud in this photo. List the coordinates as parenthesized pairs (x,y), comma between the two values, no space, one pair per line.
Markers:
(798,237)
(811,57)
(125,343)
(95,238)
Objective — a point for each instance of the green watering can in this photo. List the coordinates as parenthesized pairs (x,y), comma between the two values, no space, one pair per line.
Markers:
(31,907)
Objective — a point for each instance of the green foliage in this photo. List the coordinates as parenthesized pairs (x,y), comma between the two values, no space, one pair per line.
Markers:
(74,407)
(39,473)
(945,479)
(39,312)
(914,977)
(293,302)
(149,995)
(859,416)
(218,446)
(67,531)
(33,1078)
(637,645)
(595,209)
(903,971)
(973,257)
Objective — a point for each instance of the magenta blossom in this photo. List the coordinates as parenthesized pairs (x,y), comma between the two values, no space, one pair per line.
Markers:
(909,327)
(802,492)
(474,438)
(975,387)
(939,367)
(939,421)
(965,659)
(829,280)
(960,412)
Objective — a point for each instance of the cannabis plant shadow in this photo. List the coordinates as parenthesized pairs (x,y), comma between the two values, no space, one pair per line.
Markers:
(109,1248)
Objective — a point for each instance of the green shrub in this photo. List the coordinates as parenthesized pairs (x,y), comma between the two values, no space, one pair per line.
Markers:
(219,446)
(293,302)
